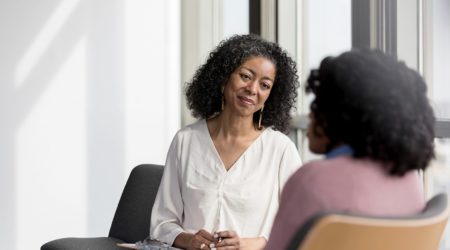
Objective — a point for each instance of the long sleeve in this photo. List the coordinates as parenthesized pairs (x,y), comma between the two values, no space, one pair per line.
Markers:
(167,210)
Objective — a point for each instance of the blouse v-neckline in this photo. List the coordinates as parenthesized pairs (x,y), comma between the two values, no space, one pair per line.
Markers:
(216,153)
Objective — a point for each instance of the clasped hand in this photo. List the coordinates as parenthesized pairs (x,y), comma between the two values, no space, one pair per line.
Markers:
(222,240)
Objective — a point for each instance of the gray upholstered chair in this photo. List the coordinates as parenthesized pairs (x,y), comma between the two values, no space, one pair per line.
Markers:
(131,222)
(339,231)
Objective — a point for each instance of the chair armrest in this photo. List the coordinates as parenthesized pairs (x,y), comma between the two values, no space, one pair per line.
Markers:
(100,243)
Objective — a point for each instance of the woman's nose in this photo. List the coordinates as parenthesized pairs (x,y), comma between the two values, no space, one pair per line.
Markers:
(252,87)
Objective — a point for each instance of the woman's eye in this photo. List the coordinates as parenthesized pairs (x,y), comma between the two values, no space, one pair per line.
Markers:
(245,77)
(266,86)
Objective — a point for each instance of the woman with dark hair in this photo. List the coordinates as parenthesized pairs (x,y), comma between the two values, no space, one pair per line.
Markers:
(372,120)
(224,173)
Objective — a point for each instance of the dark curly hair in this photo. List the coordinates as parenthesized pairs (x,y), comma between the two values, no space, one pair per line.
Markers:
(377,105)
(204,92)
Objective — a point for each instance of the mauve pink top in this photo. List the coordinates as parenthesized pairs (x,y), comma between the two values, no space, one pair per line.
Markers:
(343,184)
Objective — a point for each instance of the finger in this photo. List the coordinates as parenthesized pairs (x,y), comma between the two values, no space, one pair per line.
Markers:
(205,234)
(203,246)
(199,242)
(228,242)
(227,234)
(226,248)
(217,238)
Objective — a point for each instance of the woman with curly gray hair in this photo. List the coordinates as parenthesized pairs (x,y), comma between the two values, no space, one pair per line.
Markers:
(224,173)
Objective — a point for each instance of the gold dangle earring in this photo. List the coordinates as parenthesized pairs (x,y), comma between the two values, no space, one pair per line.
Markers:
(260,117)
(223,100)
(223,103)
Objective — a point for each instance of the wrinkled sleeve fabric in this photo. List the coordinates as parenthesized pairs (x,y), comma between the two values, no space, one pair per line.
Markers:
(167,210)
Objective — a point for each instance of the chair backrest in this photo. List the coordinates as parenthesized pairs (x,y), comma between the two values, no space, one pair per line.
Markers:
(342,231)
(131,222)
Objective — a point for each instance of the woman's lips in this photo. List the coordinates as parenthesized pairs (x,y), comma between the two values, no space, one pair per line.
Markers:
(246,100)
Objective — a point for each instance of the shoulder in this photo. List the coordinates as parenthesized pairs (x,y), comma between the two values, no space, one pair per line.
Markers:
(307,173)
(192,129)
(279,144)
(335,173)
(191,134)
(319,172)
(306,185)
(276,138)
(282,146)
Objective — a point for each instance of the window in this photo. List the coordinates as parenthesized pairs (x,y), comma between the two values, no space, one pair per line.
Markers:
(436,58)
(310,31)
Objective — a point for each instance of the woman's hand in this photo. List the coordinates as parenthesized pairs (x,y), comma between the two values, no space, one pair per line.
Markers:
(200,240)
(230,240)
(226,240)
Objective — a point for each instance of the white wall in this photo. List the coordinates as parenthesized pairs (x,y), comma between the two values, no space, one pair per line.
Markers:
(88,89)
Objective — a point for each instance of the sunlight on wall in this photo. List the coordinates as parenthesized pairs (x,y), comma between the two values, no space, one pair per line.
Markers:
(152,66)
(35,51)
(51,158)
(89,89)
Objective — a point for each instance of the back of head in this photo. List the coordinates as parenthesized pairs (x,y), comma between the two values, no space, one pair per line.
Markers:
(377,105)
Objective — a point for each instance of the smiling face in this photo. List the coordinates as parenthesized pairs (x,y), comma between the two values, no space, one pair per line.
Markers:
(249,86)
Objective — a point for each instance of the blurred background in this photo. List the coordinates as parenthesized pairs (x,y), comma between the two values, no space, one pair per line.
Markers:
(91,88)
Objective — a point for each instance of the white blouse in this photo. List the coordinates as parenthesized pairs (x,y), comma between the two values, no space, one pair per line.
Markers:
(197,192)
